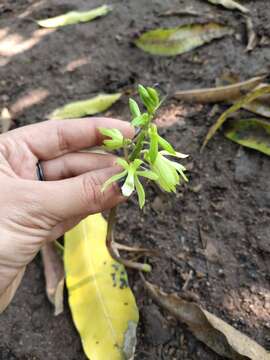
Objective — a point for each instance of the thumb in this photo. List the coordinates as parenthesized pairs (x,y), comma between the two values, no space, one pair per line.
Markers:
(80,195)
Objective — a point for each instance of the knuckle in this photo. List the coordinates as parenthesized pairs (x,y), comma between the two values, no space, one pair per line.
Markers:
(92,191)
(62,141)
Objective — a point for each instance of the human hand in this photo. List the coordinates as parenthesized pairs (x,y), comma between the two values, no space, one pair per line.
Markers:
(33,212)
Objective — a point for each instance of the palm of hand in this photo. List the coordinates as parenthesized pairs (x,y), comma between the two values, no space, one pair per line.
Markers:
(32,212)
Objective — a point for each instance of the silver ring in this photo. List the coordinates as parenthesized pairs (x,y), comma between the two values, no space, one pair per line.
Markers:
(40,173)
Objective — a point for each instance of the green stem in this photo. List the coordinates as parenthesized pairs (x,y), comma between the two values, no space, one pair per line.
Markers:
(114,255)
(59,246)
(125,149)
(139,145)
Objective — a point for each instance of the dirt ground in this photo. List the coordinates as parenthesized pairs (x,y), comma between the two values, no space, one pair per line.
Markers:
(217,226)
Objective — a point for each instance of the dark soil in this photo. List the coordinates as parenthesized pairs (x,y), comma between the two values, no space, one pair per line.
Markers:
(218,225)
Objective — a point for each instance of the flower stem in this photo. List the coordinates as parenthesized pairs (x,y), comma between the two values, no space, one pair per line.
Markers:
(113,253)
(139,145)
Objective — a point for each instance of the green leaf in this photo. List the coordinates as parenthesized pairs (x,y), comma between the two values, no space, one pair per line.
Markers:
(103,307)
(166,145)
(134,108)
(153,150)
(230,4)
(147,174)
(251,133)
(113,179)
(239,104)
(74,17)
(82,108)
(140,120)
(140,192)
(178,40)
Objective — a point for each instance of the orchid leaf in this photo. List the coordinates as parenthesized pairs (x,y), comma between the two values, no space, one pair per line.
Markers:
(74,17)
(178,40)
(102,305)
(251,133)
(82,108)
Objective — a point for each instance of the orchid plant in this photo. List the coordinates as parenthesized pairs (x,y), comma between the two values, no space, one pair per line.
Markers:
(147,156)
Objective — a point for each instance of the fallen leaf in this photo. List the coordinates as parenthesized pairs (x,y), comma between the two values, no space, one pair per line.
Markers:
(258,107)
(54,276)
(102,305)
(220,93)
(251,133)
(253,95)
(189,11)
(251,35)
(178,40)
(74,17)
(208,328)
(5,120)
(82,108)
(231,5)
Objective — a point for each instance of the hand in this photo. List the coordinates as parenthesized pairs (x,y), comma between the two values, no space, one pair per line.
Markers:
(33,212)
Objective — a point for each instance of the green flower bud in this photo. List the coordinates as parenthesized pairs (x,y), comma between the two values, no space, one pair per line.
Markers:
(134,108)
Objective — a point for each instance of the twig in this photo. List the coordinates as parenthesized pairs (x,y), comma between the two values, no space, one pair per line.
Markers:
(186,284)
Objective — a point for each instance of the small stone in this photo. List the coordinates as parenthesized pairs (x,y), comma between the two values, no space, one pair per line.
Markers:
(157,332)
(220,272)
(246,165)
(157,204)
(5,98)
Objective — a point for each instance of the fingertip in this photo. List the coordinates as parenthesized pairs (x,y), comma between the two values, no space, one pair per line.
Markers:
(125,127)
(129,130)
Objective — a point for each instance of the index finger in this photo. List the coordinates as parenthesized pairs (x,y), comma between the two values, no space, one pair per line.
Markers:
(53,138)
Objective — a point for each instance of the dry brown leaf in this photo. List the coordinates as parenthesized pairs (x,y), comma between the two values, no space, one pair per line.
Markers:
(188,11)
(231,5)
(219,94)
(5,120)
(54,276)
(258,107)
(208,328)
(240,103)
